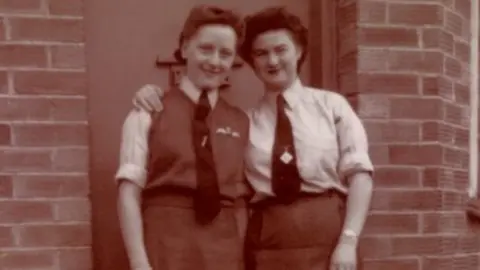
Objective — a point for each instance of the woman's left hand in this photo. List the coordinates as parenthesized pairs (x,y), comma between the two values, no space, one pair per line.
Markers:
(344,257)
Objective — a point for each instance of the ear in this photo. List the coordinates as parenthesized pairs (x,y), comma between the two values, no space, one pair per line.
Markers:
(184,48)
(299,51)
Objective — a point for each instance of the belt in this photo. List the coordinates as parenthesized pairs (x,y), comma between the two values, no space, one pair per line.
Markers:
(273,201)
(183,197)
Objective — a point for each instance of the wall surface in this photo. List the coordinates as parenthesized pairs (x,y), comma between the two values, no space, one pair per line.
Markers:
(404,64)
(44,205)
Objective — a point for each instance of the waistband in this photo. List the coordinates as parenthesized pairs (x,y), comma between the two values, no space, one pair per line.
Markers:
(183,197)
(274,201)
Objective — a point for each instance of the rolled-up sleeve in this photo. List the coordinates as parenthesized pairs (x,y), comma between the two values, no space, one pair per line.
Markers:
(134,148)
(352,140)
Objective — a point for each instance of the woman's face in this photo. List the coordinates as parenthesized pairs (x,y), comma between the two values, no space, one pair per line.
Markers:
(210,54)
(275,55)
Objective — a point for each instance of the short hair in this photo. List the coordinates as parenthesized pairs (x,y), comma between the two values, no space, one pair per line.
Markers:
(273,18)
(202,15)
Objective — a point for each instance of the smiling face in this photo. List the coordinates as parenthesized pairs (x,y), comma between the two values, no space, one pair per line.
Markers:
(275,56)
(210,54)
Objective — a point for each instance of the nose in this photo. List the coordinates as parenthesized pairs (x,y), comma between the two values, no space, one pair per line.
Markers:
(214,60)
(272,60)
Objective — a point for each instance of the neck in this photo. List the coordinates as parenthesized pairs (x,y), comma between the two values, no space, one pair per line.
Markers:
(279,88)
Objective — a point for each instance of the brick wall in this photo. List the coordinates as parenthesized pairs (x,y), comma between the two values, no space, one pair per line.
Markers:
(404,64)
(44,207)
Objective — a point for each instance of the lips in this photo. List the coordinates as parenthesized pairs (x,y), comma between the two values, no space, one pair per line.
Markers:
(273,72)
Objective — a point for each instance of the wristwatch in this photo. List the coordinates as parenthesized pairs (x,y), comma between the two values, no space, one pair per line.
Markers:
(349,236)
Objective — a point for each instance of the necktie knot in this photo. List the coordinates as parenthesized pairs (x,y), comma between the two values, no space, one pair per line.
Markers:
(203,106)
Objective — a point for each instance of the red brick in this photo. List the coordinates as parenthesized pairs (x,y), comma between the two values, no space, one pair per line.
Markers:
(375,247)
(25,160)
(462,94)
(431,62)
(388,36)
(75,259)
(468,242)
(457,158)
(51,186)
(2,29)
(68,57)
(50,134)
(396,177)
(379,154)
(462,51)
(388,83)
(463,7)
(439,132)
(436,132)
(68,235)
(6,237)
(73,210)
(66,7)
(445,222)
(22,211)
(372,12)
(438,86)
(406,200)
(373,106)
(392,223)
(457,261)
(437,38)
(6,186)
(415,108)
(372,59)
(417,245)
(416,154)
(453,67)
(23,56)
(47,82)
(3,82)
(456,114)
(392,131)
(71,160)
(5,135)
(40,109)
(453,23)
(28,259)
(61,30)
(415,14)
(393,264)
(23,6)
(446,178)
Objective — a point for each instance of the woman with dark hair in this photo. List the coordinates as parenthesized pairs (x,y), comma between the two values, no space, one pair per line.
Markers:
(181,183)
(306,160)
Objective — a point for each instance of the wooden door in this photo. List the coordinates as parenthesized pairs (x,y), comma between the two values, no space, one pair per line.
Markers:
(124,38)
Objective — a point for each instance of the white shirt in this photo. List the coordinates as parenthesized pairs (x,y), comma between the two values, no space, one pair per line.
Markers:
(330,140)
(134,141)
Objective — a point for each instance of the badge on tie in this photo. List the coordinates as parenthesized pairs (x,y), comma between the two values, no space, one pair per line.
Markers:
(286,157)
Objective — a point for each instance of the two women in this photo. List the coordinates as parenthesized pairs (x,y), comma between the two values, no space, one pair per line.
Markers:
(181,181)
(306,158)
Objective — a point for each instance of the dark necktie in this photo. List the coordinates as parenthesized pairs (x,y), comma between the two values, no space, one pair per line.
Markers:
(207,198)
(285,176)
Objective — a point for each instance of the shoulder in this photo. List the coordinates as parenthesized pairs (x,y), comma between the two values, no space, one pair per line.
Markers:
(326,97)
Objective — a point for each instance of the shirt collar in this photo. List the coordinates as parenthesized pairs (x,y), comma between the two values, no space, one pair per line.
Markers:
(187,86)
(291,94)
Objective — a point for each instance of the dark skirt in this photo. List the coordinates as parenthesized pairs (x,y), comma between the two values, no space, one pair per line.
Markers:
(298,236)
(175,241)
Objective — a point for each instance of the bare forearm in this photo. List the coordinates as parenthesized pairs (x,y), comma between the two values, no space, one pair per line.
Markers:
(130,216)
(358,202)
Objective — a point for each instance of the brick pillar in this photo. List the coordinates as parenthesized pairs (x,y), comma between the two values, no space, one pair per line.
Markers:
(404,65)
(44,206)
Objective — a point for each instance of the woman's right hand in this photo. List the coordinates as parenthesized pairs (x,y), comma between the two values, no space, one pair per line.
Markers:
(148,98)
